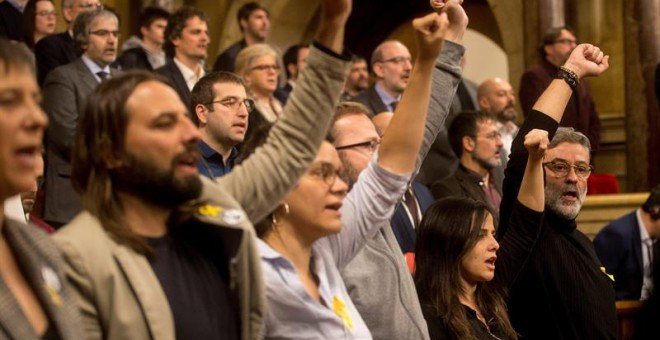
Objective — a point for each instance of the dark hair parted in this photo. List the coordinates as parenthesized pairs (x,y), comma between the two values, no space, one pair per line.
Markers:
(149,15)
(246,10)
(204,93)
(449,229)
(177,23)
(29,21)
(83,23)
(15,56)
(465,124)
(99,140)
(550,37)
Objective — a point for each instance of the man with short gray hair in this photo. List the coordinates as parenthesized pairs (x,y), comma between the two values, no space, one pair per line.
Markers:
(65,90)
(60,49)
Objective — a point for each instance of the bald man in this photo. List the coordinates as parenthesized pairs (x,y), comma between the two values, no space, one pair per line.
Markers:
(391,64)
(496,96)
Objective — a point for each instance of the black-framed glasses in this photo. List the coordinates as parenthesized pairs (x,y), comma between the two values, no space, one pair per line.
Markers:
(396,60)
(327,172)
(266,67)
(566,41)
(105,33)
(234,103)
(561,169)
(371,146)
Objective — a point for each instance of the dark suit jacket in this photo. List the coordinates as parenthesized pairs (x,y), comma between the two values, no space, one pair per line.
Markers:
(134,58)
(619,248)
(580,113)
(282,93)
(42,267)
(464,183)
(441,162)
(227,59)
(53,51)
(371,99)
(65,93)
(174,75)
(401,225)
(11,22)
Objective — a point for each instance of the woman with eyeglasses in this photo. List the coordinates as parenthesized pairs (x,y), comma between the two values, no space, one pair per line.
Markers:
(319,227)
(39,20)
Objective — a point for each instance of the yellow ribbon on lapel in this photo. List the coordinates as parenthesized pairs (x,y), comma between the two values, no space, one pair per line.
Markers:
(209,210)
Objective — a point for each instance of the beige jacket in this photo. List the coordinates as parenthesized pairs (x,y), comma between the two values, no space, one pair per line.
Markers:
(119,294)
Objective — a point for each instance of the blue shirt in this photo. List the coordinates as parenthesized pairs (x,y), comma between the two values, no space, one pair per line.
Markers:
(386,98)
(95,68)
(211,164)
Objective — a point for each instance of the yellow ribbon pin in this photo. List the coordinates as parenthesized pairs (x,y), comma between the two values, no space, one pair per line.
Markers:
(339,307)
(209,210)
(608,275)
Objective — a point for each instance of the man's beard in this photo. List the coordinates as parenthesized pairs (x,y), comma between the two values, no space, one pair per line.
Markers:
(555,203)
(154,185)
(487,163)
(507,114)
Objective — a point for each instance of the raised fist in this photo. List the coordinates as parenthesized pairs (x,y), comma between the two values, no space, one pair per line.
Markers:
(458,19)
(587,60)
(430,31)
(536,143)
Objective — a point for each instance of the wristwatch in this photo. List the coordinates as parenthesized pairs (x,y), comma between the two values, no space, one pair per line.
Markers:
(568,76)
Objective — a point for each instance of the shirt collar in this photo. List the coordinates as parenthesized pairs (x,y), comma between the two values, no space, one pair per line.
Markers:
(644,235)
(94,67)
(188,75)
(384,96)
(16,5)
(267,252)
(207,151)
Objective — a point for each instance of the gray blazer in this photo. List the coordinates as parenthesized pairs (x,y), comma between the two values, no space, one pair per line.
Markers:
(65,93)
(378,278)
(42,267)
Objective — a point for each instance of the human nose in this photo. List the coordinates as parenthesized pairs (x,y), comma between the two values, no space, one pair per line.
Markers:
(339,186)
(571,176)
(494,245)
(37,119)
(191,132)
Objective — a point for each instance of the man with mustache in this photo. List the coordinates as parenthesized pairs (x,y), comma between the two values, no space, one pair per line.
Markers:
(66,90)
(391,64)
(186,43)
(496,97)
(161,252)
(221,108)
(476,141)
(358,79)
(561,290)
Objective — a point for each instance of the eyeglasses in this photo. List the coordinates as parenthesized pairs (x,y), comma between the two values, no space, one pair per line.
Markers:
(566,41)
(326,172)
(396,60)
(273,67)
(561,169)
(492,136)
(89,5)
(371,146)
(234,103)
(45,13)
(105,33)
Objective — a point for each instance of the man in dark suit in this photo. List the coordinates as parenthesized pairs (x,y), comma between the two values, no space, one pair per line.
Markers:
(391,64)
(186,45)
(625,247)
(60,49)
(408,213)
(475,139)
(254,23)
(65,94)
(294,60)
(11,19)
(150,55)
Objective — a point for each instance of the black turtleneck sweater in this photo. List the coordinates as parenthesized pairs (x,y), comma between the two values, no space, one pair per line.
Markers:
(559,291)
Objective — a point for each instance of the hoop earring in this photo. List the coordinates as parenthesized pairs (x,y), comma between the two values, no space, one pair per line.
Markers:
(286,212)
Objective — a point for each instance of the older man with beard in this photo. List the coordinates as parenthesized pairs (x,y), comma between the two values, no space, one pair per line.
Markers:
(561,290)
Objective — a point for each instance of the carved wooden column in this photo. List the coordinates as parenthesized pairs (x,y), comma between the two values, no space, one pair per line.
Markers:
(642,51)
